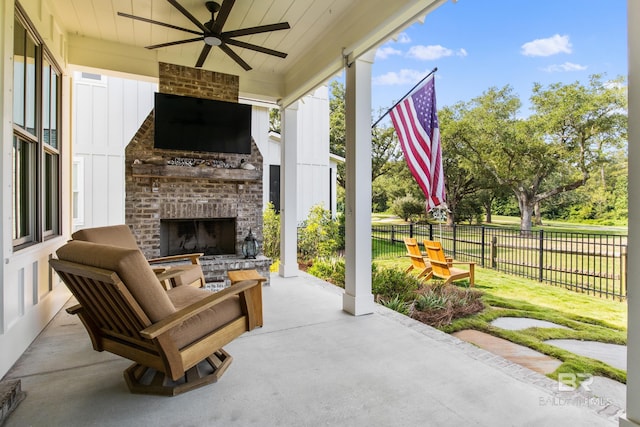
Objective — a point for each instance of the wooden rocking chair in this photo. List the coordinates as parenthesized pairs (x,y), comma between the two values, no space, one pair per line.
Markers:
(418,261)
(443,267)
(174,337)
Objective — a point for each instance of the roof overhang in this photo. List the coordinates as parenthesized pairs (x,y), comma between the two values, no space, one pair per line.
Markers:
(323,38)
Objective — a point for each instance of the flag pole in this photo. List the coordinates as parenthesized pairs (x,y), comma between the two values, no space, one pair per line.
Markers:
(401,99)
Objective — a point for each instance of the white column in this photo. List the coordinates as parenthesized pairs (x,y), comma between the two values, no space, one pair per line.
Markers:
(358,298)
(632,417)
(288,192)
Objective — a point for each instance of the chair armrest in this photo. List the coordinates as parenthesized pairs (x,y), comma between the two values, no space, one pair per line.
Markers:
(180,316)
(464,262)
(194,258)
(164,276)
(74,309)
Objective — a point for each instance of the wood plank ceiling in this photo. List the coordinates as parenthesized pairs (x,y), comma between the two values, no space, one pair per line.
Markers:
(320,31)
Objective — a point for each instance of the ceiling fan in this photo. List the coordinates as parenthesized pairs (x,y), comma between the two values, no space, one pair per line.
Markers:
(211,32)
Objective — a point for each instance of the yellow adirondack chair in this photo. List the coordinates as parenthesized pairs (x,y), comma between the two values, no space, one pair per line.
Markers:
(443,267)
(418,261)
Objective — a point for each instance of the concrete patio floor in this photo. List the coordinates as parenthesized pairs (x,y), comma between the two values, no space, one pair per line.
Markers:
(311,364)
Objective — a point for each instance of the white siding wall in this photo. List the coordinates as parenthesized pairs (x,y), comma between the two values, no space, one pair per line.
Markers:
(107,113)
(29,294)
(313,155)
(313,152)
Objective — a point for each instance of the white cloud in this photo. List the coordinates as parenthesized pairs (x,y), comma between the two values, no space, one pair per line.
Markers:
(386,51)
(567,66)
(547,47)
(404,76)
(427,53)
(403,38)
(461,52)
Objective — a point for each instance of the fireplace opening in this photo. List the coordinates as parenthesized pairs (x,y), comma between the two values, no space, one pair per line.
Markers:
(211,236)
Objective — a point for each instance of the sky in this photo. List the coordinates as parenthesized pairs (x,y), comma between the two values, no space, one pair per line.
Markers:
(479,44)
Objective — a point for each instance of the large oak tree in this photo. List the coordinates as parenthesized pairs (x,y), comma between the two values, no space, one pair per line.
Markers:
(569,135)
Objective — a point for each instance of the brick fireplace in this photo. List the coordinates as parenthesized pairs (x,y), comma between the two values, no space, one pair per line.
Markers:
(202,202)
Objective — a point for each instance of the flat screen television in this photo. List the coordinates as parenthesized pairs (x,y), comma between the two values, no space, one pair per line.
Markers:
(196,124)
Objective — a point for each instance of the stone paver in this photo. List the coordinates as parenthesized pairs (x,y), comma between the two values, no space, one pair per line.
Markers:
(612,354)
(516,353)
(518,323)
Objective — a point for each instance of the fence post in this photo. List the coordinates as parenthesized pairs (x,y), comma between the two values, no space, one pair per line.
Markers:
(494,252)
(541,257)
(454,241)
(393,233)
(411,229)
(482,242)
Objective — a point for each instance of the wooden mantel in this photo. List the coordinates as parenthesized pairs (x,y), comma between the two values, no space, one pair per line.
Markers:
(196,172)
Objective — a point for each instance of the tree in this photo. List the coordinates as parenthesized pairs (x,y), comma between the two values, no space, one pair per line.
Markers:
(274,120)
(460,182)
(552,152)
(384,143)
(384,150)
(337,127)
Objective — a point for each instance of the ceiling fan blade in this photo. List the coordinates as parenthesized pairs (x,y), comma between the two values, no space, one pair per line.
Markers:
(256,48)
(256,30)
(223,14)
(186,13)
(235,56)
(151,21)
(156,46)
(203,55)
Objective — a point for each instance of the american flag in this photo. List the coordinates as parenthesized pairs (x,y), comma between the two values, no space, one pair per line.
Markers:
(416,122)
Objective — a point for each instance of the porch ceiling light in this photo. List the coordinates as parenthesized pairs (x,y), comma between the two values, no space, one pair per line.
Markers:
(212,40)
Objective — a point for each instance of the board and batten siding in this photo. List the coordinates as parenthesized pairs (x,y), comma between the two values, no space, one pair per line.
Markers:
(107,113)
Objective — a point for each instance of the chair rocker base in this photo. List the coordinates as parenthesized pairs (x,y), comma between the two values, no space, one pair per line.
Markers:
(144,380)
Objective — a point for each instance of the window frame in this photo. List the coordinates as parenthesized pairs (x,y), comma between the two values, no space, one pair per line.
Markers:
(38,201)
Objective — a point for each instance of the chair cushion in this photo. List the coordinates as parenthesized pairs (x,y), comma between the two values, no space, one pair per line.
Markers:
(116,235)
(190,273)
(204,322)
(132,268)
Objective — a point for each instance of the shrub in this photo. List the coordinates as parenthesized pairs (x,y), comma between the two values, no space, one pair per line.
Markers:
(430,301)
(397,304)
(407,207)
(319,235)
(387,283)
(330,269)
(271,232)
(440,305)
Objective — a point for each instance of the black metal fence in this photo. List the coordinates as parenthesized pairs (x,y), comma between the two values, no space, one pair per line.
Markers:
(595,264)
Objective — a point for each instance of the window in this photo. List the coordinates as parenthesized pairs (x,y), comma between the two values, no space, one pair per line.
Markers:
(36,123)
(24,199)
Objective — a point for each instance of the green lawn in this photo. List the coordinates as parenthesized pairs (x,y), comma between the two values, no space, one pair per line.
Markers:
(503,285)
(514,222)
